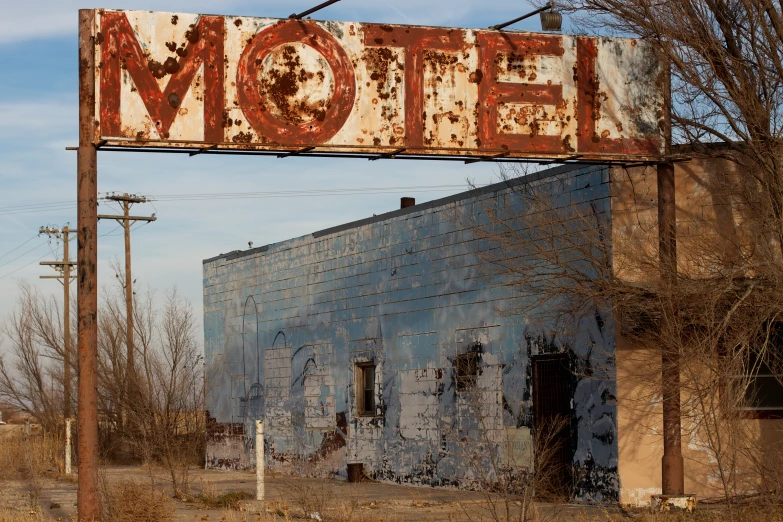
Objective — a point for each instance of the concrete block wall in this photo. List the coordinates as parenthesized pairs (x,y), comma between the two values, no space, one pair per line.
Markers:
(286,325)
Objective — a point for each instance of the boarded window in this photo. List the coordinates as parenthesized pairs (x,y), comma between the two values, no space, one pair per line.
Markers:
(365,389)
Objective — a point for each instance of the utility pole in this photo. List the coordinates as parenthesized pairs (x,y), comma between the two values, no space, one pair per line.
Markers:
(64,267)
(126,220)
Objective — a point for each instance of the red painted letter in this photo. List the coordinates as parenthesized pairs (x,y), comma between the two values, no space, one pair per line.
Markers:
(120,50)
(255,95)
(493,92)
(415,40)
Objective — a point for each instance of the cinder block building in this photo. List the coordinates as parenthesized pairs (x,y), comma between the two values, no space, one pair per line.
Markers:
(383,343)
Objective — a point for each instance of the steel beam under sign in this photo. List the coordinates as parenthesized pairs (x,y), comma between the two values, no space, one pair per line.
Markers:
(209,83)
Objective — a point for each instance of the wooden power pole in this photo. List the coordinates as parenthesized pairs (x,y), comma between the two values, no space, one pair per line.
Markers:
(126,220)
(64,267)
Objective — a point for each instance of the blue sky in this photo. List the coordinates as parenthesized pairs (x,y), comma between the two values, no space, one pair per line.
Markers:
(38,119)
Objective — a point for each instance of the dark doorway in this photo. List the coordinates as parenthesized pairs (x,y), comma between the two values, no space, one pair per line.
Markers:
(552,394)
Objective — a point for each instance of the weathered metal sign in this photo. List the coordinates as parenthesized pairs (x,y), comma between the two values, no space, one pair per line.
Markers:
(203,81)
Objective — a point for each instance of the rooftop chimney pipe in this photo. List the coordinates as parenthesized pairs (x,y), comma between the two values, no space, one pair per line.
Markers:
(407,202)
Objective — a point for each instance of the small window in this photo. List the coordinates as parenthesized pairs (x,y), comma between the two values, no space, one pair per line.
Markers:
(762,381)
(466,367)
(763,390)
(365,389)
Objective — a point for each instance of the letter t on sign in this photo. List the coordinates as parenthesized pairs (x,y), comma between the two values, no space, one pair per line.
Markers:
(414,40)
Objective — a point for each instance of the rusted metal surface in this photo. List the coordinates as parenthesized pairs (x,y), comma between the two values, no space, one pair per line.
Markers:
(87,274)
(199,81)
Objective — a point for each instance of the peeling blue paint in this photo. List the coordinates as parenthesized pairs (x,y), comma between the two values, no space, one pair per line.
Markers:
(286,325)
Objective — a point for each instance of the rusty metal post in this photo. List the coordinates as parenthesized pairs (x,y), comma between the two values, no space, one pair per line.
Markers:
(87,276)
(672,465)
(672,462)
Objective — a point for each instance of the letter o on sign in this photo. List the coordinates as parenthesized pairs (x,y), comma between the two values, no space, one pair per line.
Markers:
(258,95)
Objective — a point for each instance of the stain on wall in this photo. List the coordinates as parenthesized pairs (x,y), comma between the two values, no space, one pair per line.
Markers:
(289,325)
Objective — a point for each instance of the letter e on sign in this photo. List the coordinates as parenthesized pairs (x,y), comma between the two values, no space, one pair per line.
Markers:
(494,93)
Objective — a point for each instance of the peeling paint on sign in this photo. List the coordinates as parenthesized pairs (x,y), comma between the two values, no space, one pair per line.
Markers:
(196,81)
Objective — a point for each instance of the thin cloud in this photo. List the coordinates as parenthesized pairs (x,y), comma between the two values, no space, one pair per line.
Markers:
(55,18)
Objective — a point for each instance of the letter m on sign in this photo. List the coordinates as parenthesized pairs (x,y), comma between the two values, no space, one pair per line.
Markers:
(121,51)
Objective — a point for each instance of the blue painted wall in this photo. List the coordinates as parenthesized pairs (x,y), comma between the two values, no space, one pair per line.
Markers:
(285,326)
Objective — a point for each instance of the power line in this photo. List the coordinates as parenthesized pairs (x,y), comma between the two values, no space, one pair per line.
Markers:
(25,266)
(17,248)
(65,205)
(58,205)
(22,255)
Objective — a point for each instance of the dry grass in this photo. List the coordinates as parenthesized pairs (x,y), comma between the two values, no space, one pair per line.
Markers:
(130,501)
(6,515)
(26,457)
(336,512)
(761,512)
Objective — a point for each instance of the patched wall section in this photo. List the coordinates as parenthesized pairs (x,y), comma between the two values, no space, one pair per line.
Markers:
(400,295)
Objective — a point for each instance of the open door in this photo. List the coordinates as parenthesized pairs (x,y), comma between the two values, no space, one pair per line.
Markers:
(552,393)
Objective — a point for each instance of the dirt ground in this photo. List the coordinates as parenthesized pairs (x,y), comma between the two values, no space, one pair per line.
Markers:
(55,497)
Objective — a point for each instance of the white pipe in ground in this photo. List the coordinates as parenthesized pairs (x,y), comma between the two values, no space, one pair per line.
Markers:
(67,446)
(259,460)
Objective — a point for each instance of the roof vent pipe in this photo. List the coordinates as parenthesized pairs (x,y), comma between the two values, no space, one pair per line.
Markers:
(407,202)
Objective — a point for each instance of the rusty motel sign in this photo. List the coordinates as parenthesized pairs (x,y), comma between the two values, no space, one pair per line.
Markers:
(210,83)
(172,82)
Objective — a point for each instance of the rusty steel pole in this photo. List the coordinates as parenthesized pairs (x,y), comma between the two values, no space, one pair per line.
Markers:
(673,480)
(66,327)
(87,276)
(672,464)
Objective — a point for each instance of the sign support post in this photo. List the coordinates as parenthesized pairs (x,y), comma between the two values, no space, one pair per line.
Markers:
(87,275)
(672,464)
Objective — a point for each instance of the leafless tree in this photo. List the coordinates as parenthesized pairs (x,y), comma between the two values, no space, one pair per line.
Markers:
(726,62)
(31,371)
(163,422)
(566,260)
(167,418)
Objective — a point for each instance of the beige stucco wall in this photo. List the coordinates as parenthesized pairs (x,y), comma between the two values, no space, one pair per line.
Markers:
(710,215)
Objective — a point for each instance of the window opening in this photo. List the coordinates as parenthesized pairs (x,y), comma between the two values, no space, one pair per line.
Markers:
(761,384)
(365,388)
(466,366)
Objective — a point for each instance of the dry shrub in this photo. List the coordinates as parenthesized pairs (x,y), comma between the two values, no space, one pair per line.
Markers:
(129,501)
(24,457)
(228,500)
(308,494)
